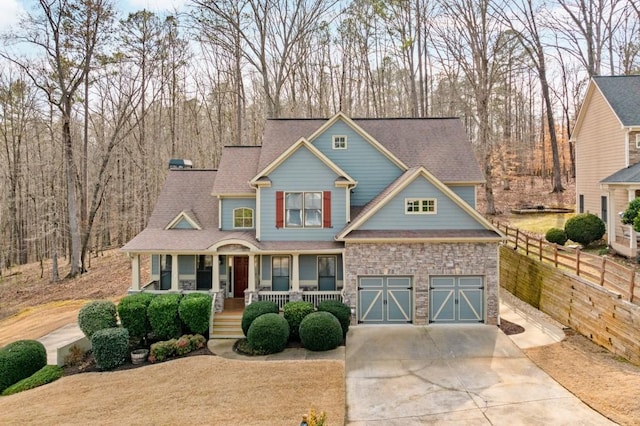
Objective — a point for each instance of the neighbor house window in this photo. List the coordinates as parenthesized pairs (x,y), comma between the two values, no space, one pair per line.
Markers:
(339,142)
(420,206)
(243,218)
(303,209)
(638,140)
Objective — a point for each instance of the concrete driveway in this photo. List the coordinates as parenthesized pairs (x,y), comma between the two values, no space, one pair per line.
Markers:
(462,375)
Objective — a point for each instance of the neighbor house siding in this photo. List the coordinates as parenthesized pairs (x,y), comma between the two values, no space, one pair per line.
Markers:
(600,150)
(230,204)
(448,214)
(301,172)
(361,160)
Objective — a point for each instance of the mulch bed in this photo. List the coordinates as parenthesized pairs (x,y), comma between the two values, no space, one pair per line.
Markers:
(510,328)
(88,364)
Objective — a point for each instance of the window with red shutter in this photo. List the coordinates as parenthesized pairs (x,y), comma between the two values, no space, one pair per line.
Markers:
(279,209)
(326,209)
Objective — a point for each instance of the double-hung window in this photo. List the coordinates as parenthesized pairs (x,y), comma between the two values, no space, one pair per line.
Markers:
(303,209)
(420,206)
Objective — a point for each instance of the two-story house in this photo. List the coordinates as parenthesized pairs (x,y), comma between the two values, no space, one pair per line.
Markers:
(379,213)
(607,148)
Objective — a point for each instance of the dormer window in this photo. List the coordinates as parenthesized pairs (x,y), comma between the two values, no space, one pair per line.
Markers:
(243,218)
(339,142)
(420,206)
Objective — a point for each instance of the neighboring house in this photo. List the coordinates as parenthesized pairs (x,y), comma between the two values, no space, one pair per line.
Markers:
(379,213)
(607,147)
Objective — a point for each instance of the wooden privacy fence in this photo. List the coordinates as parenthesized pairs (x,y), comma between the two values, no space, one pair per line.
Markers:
(599,270)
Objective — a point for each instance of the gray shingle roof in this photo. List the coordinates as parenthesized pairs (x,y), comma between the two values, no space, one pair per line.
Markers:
(629,174)
(439,144)
(623,94)
(424,234)
(238,165)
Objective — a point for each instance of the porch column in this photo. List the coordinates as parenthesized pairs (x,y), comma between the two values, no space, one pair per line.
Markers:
(295,273)
(252,272)
(633,243)
(215,274)
(174,273)
(135,272)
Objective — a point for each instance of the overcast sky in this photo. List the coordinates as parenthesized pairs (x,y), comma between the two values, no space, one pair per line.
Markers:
(11,9)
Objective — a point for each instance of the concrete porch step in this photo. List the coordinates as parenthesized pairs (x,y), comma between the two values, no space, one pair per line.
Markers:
(227,326)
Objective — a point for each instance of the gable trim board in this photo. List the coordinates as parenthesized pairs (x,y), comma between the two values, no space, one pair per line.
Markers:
(401,183)
(302,142)
(183,215)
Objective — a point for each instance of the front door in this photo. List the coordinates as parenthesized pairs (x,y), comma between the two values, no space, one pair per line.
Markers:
(240,275)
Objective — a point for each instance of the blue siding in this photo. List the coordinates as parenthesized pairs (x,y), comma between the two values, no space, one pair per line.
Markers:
(467,193)
(449,215)
(303,171)
(229,204)
(266,267)
(308,265)
(187,265)
(364,163)
(183,224)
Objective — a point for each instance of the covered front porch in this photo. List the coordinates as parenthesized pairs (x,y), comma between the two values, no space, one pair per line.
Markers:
(620,237)
(238,271)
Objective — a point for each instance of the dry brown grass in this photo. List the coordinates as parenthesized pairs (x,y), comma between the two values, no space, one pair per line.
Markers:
(194,390)
(605,382)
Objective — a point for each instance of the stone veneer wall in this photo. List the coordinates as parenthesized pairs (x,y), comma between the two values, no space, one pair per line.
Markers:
(421,260)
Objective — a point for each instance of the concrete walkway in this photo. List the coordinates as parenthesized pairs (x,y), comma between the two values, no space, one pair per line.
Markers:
(63,337)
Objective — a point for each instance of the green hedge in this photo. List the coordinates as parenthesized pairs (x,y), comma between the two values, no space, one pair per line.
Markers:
(132,311)
(163,316)
(294,313)
(256,309)
(339,310)
(19,360)
(556,235)
(110,347)
(47,374)
(161,351)
(320,331)
(268,334)
(195,312)
(584,228)
(97,315)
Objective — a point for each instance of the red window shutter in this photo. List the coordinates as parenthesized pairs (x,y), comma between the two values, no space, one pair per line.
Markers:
(279,209)
(326,209)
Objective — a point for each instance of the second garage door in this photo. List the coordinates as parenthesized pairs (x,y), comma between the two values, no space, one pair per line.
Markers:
(384,300)
(456,299)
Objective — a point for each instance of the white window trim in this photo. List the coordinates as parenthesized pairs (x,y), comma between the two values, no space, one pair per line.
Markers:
(333,141)
(303,226)
(638,140)
(420,200)
(253,218)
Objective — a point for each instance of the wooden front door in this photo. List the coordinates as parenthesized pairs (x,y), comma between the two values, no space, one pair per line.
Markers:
(240,275)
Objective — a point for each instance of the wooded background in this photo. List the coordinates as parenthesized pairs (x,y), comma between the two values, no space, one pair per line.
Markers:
(93,104)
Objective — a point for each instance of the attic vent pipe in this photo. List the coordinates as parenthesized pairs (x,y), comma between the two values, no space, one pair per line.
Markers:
(180,163)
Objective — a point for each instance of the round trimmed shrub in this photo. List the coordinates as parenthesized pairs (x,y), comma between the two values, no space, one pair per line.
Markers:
(256,309)
(268,334)
(110,347)
(631,213)
(19,360)
(97,315)
(584,228)
(294,313)
(556,235)
(132,311)
(163,316)
(339,310)
(320,331)
(47,374)
(195,312)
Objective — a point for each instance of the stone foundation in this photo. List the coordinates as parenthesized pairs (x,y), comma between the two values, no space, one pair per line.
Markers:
(421,260)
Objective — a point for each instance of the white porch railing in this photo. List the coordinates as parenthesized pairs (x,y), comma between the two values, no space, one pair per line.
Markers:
(316,297)
(279,297)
